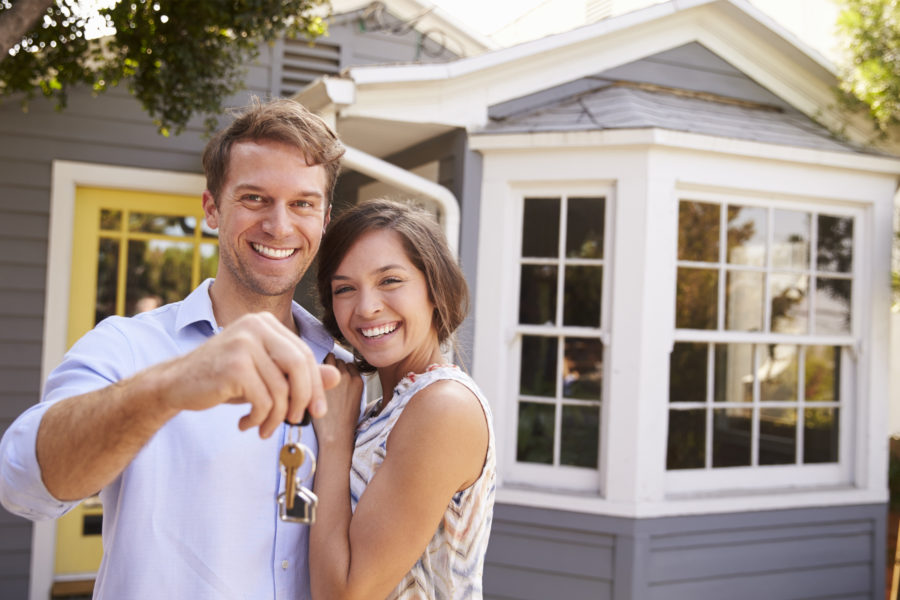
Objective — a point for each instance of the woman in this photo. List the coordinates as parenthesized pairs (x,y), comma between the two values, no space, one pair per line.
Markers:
(406,497)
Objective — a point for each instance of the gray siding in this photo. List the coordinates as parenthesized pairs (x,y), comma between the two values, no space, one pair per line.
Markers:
(820,553)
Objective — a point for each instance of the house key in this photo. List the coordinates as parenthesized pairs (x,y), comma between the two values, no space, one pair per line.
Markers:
(297,503)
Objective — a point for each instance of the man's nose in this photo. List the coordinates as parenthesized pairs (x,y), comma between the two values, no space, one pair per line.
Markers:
(277,222)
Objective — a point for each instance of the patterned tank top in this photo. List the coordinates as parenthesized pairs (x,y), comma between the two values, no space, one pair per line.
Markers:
(451,566)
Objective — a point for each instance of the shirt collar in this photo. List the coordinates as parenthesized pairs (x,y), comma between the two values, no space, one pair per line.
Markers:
(197,307)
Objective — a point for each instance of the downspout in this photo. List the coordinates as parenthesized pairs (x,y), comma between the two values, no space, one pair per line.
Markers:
(407,181)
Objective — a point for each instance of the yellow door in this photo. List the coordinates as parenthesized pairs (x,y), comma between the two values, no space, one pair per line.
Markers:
(132,251)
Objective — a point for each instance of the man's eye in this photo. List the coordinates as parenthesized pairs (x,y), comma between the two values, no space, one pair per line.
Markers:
(253,198)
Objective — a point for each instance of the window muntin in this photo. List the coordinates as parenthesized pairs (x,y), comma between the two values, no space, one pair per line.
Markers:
(752,381)
(561,348)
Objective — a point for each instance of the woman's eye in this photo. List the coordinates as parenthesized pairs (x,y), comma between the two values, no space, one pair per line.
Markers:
(391,280)
(340,290)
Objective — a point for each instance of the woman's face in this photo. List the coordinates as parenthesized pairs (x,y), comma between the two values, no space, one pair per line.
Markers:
(382,306)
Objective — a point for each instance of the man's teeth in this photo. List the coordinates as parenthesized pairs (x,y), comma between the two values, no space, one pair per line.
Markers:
(380,330)
(273,252)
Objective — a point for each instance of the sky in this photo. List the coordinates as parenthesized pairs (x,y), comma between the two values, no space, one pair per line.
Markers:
(810,20)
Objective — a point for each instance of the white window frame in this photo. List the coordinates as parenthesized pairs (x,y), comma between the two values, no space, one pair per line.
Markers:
(765,477)
(556,477)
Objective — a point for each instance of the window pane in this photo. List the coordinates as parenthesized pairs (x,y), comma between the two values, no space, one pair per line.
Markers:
(790,249)
(537,295)
(580,436)
(747,235)
(731,437)
(535,434)
(584,228)
(777,436)
(698,231)
(734,373)
(687,439)
(583,290)
(582,368)
(164,224)
(822,373)
(538,366)
(107,279)
(744,301)
(778,373)
(687,372)
(110,220)
(833,306)
(820,435)
(835,244)
(540,229)
(696,305)
(790,306)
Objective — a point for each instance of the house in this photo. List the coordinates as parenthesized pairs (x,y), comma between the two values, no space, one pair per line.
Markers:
(678,246)
(678,250)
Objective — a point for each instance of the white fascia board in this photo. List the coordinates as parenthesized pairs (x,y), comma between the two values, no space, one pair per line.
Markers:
(486,143)
(501,58)
(327,92)
(462,98)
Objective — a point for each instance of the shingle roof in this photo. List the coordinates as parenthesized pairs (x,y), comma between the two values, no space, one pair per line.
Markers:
(629,106)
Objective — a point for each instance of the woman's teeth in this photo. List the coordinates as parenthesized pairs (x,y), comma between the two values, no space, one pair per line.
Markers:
(380,330)
(273,252)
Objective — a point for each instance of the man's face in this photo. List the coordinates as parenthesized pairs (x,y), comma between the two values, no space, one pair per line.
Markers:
(271,213)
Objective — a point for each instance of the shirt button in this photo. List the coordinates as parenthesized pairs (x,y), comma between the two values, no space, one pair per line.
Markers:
(284,564)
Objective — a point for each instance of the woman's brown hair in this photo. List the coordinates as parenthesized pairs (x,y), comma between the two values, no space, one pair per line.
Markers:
(426,247)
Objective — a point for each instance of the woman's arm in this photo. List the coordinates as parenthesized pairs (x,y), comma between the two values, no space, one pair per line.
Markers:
(437,447)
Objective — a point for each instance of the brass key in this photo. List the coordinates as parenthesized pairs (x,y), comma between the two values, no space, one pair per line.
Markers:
(292,458)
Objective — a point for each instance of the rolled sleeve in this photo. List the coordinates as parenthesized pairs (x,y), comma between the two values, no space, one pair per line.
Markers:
(22,492)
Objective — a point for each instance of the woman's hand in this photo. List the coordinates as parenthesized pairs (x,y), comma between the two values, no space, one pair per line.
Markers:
(339,423)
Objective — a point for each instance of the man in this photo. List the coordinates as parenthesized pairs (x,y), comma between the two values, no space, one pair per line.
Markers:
(153,410)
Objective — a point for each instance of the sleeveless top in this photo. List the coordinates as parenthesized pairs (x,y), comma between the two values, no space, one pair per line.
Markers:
(451,566)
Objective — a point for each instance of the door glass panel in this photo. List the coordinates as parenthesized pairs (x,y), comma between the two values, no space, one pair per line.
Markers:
(110,220)
(157,269)
(161,224)
(107,279)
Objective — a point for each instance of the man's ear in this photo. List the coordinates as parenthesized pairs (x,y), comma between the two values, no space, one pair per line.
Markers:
(210,210)
(327,218)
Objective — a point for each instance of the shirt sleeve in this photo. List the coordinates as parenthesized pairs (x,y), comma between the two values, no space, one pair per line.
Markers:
(22,490)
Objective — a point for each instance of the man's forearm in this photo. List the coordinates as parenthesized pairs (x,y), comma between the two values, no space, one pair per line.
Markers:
(84,442)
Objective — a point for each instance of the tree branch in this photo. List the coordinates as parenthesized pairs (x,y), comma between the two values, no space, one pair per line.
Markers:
(18,20)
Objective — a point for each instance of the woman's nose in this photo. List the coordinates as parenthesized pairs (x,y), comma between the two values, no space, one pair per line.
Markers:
(369,303)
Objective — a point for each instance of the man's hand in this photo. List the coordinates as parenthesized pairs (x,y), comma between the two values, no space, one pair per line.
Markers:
(255,360)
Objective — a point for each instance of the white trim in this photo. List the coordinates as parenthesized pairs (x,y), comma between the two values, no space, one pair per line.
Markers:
(408,181)
(664,138)
(66,177)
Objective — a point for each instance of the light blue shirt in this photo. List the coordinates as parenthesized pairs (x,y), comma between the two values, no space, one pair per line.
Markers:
(194,515)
